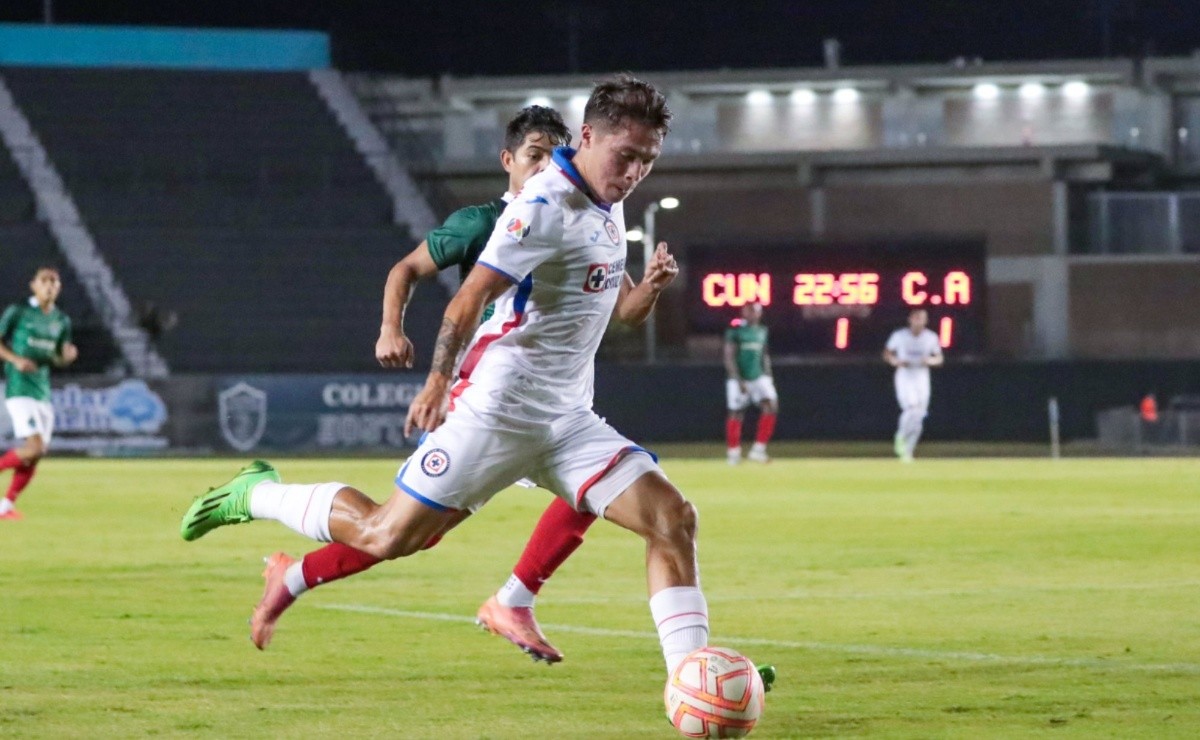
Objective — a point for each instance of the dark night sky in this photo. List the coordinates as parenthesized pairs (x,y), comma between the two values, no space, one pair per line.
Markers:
(500,37)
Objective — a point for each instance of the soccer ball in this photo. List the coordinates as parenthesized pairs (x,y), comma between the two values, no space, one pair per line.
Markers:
(715,692)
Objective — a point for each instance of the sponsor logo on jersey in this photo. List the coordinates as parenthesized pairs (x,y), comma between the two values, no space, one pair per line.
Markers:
(613,232)
(435,463)
(538,199)
(516,229)
(602,276)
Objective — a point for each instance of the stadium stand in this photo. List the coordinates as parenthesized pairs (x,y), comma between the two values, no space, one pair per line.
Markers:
(25,244)
(233,199)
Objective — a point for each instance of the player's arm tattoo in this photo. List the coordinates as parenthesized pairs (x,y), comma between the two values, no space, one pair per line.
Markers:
(445,350)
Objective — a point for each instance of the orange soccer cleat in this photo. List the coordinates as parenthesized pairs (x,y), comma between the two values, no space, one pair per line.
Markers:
(517,625)
(275,600)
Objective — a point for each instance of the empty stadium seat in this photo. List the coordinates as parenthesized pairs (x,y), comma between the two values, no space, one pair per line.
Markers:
(235,200)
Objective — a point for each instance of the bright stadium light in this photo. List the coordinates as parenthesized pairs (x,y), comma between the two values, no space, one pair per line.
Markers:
(759,97)
(541,100)
(846,95)
(1076,89)
(803,96)
(578,102)
(634,235)
(1031,90)
(648,245)
(986,91)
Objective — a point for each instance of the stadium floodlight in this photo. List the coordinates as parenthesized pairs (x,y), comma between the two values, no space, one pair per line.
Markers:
(759,97)
(803,96)
(846,95)
(1031,90)
(541,100)
(986,91)
(648,245)
(1076,89)
(634,235)
(578,102)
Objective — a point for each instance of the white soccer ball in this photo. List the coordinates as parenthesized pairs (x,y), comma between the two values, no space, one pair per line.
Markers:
(715,692)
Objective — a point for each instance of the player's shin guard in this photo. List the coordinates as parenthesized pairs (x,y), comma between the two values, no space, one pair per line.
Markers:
(301,508)
(22,474)
(733,433)
(766,428)
(681,616)
(558,534)
(332,562)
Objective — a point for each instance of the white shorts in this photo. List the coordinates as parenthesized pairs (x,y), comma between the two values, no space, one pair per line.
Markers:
(758,390)
(30,417)
(470,458)
(912,391)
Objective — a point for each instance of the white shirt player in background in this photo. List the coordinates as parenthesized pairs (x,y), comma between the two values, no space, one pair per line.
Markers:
(912,351)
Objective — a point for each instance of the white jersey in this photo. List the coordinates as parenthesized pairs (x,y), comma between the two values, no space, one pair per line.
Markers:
(565,255)
(912,351)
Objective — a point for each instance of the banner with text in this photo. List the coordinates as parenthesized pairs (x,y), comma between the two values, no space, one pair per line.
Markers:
(314,412)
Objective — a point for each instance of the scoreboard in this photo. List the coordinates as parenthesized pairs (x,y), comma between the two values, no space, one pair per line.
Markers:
(842,298)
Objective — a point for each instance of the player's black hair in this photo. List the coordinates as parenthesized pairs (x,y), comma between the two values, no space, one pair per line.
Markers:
(625,98)
(47,266)
(537,118)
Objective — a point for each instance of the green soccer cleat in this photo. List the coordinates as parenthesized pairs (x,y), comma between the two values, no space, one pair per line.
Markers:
(227,504)
(767,674)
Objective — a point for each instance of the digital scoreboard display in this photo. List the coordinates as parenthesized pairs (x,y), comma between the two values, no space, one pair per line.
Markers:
(842,298)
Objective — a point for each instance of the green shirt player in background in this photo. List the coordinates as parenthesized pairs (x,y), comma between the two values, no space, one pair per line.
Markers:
(529,140)
(33,336)
(748,380)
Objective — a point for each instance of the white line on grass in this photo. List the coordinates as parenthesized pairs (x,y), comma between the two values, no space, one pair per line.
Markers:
(804,595)
(828,647)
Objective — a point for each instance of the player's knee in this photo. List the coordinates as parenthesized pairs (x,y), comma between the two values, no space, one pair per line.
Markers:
(677,520)
(34,449)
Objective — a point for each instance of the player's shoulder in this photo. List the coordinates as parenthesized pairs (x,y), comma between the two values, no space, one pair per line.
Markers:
(479,214)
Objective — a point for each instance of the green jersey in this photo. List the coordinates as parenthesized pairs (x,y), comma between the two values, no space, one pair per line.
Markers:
(36,336)
(749,343)
(461,239)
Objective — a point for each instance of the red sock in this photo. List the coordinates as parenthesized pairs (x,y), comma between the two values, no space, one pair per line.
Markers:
(766,427)
(733,433)
(558,533)
(9,460)
(333,562)
(22,474)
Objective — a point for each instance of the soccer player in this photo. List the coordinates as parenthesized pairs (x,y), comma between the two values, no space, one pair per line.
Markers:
(33,336)
(912,351)
(748,380)
(529,140)
(521,405)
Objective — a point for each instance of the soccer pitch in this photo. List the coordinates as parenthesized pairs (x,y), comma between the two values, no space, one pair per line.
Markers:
(950,598)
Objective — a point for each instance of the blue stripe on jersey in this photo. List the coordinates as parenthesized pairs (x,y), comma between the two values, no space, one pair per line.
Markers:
(522,296)
(428,502)
(562,157)
(492,267)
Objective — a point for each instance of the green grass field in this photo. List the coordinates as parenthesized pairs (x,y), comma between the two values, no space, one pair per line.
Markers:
(951,598)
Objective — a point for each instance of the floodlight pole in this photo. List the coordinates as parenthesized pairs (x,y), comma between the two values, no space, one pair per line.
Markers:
(647,255)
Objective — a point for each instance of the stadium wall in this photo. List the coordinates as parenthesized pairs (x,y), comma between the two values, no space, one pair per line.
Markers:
(339,414)
(173,48)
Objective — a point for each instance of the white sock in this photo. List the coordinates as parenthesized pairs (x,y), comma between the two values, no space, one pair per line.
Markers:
(514,593)
(293,578)
(681,615)
(5,506)
(301,508)
(758,447)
